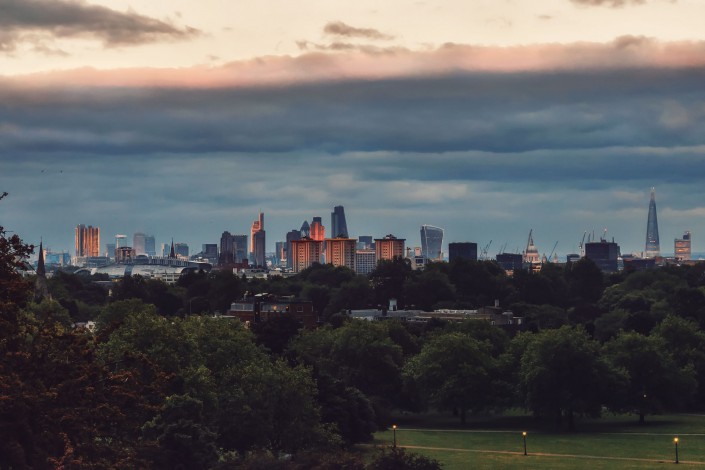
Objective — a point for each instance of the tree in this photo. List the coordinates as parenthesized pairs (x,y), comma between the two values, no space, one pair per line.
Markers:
(456,373)
(388,280)
(563,374)
(654,381)
(399,459)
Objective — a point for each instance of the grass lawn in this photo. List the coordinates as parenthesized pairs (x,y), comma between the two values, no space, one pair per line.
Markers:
(609,443)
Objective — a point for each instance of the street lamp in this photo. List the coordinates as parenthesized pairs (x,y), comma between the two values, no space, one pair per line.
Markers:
(394,429)
(675,441)
(523,435)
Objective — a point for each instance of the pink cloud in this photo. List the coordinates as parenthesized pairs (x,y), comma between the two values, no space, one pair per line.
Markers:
(370,64)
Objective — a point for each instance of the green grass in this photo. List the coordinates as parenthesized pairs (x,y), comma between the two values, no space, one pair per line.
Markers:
(610,443)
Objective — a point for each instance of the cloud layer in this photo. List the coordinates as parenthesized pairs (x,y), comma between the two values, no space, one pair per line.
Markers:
(36,21)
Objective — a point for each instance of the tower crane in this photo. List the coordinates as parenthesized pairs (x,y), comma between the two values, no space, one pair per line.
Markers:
(581,245)
(553,250)
(483,253)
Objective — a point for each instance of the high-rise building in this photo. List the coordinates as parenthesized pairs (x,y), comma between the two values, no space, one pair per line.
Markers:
(150,245)
(110,250)
(181,250)
(87,241)
(365,242)
(510,261)
(209,251)
(165,249)
(653,248)
(389,247)
(339,227)
(604,254)
(681,247)
(279,253)
(305,230)
(318,231)
(227,248)
(138,243)
(431,242)
(257,225)
(305,252)
(340,251)
(464,250)
(365,261)
(259,252)
(291,236)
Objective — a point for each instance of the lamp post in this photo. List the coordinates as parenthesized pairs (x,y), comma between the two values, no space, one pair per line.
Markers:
(675,441)
(394,429)
(523,435)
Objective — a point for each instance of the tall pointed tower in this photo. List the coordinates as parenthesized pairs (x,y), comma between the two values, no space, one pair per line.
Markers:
(41,289)
(653,248)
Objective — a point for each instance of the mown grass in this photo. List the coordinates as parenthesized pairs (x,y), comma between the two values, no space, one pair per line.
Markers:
(610,443)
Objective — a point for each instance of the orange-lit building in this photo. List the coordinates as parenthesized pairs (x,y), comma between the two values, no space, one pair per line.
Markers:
(257,225)
(341,252)
(87,241)
(318,231)
(389,247)
(305,252)
(682,247)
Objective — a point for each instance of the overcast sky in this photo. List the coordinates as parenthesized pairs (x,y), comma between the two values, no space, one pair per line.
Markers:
(485,117)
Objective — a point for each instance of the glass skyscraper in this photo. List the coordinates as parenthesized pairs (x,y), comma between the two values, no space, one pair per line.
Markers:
(339,227)
(652,249)
(431,242)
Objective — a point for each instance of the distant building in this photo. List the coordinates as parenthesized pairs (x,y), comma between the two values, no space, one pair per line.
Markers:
(291,236)
(138,243)
(305,253)
(279,258)
(604,254)
(365,242)
(572,258)
(165,249)
(259,253)
(305,230)
(125,254)
(87,241)
(638,264)
(531,254)
(652,248)
(265,307)
(431,242)
(365,261)
(462,250)
(318,230)
(389,247)
(341,252)
(257,226)
(110,250)
(339,226)
(53,259)
(181,250)
(510,261)
(682,248)
(150,245)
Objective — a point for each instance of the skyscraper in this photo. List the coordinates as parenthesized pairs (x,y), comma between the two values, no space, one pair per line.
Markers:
(339,227)
(305,230)
(257,225)
(87,241)
(258,254)
(138,243)
(431,242)
(290,237)
(653,248)
(318,231)
(150,245)
(389,247)
(681,247)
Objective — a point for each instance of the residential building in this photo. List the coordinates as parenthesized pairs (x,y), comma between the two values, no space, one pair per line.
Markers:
(87,241)
(340,251)
(365,261)
(305,252)
(389,247)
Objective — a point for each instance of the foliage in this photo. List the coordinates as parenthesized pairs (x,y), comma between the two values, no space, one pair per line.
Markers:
(398,458)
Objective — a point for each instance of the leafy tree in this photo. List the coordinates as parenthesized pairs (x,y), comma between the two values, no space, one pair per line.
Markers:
(653,379)
(555,385)
(428,289)
(455,372)
(585,281)
(388,280)
(398,458)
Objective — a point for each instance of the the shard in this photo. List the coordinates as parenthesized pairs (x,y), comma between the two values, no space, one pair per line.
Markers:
(653,248)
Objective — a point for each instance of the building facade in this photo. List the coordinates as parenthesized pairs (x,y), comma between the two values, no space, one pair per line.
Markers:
(432,242)
(653,247)
(462,250)
(365,261)
(338,224)
(389,247)
(87,241)
(604,254)
(305,252)
(340,251)
(682,247)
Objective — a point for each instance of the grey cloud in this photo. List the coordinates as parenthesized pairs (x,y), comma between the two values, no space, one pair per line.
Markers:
(32,20)
(338,28)
(610,3)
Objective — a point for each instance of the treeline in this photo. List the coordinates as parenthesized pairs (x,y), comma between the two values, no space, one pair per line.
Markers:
(164,384)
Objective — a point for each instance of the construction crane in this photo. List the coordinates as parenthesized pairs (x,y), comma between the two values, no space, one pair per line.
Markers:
(504,247)
(581,245)
(483,253)
(553,250)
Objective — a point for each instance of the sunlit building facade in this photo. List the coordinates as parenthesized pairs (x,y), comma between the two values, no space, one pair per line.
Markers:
(389,247)
(87,241)
(341,252)
(682,248)
(305,252)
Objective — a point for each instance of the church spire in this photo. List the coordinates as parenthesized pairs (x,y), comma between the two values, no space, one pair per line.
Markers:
(172,253)
(41,289)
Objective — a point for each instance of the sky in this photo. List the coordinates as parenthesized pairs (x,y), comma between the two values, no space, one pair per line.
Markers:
(488,118)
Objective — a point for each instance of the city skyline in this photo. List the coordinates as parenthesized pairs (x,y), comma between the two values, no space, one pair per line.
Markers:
(486,118)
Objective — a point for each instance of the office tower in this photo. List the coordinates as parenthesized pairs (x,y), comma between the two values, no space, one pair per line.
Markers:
(138,243)
(209,252)
(339,227)
(318,231)
(240,248)
(150,245)
(279,253)
(181,250)
(258,254)
(365,261)
(652,248)
(389,247)
(305,253)
(305,230)
(462,250)
(364,242)
(531,254)
(341,252)
(227,248)
(165,250)
(681,247)
(431,242)
(257,225)
(510,261)
(291,236)
(110,250)
(604,254)
(87,241)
